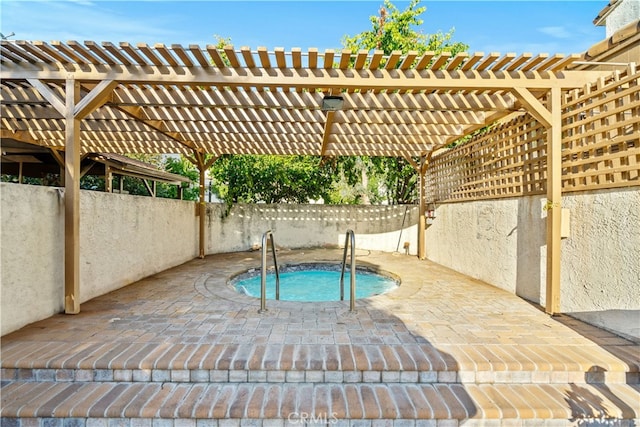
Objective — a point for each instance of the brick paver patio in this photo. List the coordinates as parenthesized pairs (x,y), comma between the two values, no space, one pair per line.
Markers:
(182,348)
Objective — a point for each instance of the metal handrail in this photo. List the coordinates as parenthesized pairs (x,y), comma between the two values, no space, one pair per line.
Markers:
(263,278)
(350,237)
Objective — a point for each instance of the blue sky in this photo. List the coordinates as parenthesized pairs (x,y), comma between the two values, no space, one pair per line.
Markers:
(486,26)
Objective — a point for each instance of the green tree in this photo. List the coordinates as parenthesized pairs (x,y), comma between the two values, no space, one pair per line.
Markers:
(271,179)
(399,179)
(395,30)
(181,166)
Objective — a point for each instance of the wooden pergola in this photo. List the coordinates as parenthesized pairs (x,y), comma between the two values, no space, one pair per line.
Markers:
(204,102)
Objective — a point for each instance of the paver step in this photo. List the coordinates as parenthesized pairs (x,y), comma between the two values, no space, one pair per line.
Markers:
(317,376)
(358,401)
(153,362)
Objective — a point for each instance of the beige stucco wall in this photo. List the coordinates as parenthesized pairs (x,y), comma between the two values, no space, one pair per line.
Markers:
(601,260)
(31,267)
(502,242)
(122,239)
(300,226)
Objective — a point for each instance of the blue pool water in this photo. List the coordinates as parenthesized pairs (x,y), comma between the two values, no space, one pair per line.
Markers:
(313,284)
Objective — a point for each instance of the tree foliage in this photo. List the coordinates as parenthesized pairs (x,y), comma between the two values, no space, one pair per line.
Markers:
(399,179)
(395,30)
(271,179)
(182,166)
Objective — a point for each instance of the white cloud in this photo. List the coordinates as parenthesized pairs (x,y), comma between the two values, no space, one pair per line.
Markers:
(82,2)
(556,32)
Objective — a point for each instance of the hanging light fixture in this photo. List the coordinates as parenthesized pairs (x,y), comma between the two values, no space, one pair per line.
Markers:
(332,103)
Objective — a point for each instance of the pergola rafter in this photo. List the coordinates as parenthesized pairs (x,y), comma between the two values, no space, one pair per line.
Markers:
(200,100)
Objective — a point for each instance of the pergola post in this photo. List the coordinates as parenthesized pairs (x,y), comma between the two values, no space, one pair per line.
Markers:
(421,170)
(201,204)
(422,174)
(73,109)
(199,161)
(72,201)
(422,250)
(554,203)
(108,178)
(551,118)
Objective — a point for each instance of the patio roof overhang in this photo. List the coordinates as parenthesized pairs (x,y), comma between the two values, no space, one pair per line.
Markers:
(156,99)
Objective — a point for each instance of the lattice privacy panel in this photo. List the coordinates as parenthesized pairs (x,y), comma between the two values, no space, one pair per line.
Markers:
(601,134)
(600,148)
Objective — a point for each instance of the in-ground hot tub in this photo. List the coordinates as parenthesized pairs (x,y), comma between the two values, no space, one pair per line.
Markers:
(315,282)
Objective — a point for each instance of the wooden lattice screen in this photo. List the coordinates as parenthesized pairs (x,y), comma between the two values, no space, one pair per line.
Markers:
(601,134)
(600,148)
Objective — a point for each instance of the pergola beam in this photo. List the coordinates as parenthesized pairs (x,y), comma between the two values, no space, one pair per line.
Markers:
(50,96)
(137,113)
(375,80)
(20,135)
(213,98)
(326,134)
(95,98)
(534,107)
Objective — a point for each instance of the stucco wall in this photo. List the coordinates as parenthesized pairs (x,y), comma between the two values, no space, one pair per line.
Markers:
(31,255)
(498,241)
(502,242)
(384,228)
(601,260)
(623,13)
(122,239)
